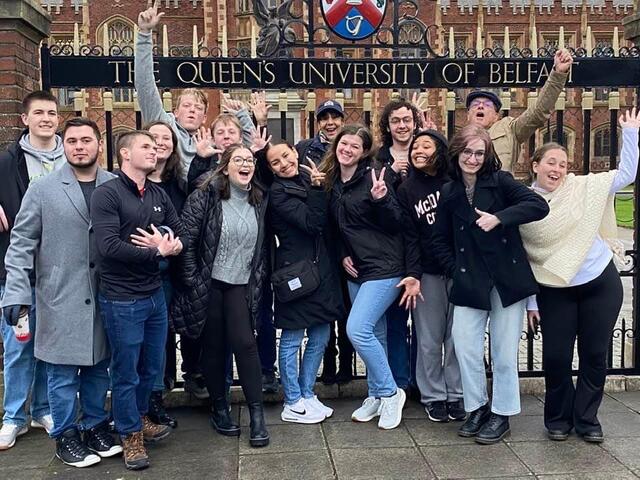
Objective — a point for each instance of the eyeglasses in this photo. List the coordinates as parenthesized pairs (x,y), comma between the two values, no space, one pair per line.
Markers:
(396,120)
(478,102)
(242,160)
(479,154)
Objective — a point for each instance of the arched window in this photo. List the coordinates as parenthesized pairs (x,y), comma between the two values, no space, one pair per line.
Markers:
(602,143)
(121,41)
(568,140)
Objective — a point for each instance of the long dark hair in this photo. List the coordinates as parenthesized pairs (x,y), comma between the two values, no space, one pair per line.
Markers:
(221,183)
(330,165)
(460,141)
(392,106)
(173,165)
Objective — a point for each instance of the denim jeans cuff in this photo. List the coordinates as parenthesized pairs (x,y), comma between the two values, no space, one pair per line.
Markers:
(289,402)
(476,406)
(505,414)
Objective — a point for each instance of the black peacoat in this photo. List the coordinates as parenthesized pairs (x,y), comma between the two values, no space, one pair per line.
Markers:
(476,260)
(299,216)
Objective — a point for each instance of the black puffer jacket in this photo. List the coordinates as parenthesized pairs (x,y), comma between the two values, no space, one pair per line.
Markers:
(371,230)
(202,219)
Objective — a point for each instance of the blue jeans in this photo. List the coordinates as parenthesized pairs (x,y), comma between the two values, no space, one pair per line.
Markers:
(296,385)
(366,328)
(23,373)
(505,327)
(398,343)
(137,333)
(65,382)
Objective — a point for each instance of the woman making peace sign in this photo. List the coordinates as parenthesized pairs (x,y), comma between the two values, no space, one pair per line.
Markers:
(477,242)
(370,222)
(299,209)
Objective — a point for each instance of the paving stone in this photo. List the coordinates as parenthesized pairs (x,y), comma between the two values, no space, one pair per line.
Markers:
(32,450)
(426,432)
(531,405)
(620,424)
(619,475)
(287,466)
(626,450)
(272,413)
(197,418)
(342,409)
(286,438)
(526,428)
(185,444)
(571,456)
(474,461)
(414,410)
(19,474)
(630,399)
(380,463)
(360,435)
(611,404)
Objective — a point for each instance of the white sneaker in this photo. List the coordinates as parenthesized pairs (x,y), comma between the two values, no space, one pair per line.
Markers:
(45,422)
(8,434)
(299,412)
(319,406)
(369,410)
(391,410)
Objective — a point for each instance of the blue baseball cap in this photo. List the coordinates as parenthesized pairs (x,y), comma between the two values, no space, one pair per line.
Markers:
(329,105)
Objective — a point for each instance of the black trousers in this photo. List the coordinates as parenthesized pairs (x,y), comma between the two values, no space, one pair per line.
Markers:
(342,340)
(588,312)
(229,323)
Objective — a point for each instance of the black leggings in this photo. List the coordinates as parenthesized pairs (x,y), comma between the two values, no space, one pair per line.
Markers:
(589,312)
(229,323)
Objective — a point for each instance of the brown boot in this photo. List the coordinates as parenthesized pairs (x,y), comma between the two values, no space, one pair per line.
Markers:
(154,432)
(135,455)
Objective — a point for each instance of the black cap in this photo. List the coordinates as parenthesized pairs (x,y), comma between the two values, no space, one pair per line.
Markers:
(329,105)
(484,94)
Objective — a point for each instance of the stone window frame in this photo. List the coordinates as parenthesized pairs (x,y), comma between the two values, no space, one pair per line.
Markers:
(127,93)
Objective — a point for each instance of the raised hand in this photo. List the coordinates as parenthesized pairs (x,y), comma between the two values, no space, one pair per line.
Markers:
(562,60)
(487,221)
(259,140)
(149,19)
(317,177)
(347,264)
(411,292)
(379,187)
(260,108)
(204,143)
(231,105)
(4,222)
(427,121)
(626,120)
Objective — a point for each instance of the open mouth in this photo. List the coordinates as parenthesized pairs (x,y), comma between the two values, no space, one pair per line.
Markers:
(553,177)
(244,175)
(480,115)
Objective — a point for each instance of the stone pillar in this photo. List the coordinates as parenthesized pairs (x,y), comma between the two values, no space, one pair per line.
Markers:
(23,25)
(631,26)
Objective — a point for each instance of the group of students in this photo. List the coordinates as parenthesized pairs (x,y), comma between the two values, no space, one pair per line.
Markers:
(200,225)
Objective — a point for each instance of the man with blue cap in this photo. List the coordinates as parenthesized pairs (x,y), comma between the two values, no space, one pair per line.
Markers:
(330,117)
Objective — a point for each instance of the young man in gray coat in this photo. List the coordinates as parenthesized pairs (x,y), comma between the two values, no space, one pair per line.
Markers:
(54,236)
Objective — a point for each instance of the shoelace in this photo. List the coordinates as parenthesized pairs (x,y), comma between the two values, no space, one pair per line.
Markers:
(75,446)
(137,444)
(494,421)
(385,406)
(102,437)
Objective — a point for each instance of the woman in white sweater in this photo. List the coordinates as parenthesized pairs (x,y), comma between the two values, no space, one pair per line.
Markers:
(571,256)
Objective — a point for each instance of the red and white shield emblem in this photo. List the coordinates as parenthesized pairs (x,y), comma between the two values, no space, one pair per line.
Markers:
(354,19)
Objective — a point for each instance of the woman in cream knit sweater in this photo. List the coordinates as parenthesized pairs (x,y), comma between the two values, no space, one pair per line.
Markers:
(570,252)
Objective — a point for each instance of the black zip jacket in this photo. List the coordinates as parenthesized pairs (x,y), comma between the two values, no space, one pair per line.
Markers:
(371,230)
(418,196)
(117,209)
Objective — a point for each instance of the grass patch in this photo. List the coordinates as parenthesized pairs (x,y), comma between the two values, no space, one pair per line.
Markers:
(624,209)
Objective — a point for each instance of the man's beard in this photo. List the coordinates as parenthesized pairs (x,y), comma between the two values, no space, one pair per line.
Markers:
(84,166)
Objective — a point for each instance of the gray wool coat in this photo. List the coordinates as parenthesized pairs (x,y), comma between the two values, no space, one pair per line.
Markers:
(53,234)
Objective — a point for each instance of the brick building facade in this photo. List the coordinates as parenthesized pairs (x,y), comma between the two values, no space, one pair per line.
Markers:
(112,22)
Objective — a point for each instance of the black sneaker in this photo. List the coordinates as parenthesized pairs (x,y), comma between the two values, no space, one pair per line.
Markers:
(270,383)
(494,430)
(157,412)
(456,411)
(71,451)
(437,411)
(195,385)
(100,441)
(475,421)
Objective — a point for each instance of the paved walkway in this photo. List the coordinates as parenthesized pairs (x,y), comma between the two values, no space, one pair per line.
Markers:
(341,449)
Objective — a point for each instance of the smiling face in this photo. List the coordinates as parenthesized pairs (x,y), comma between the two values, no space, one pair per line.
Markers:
(472,157)
(41,119)
(225,134)
(190,113)
(482,112)
(283,160)
(241,167)
(401,125)
(330,123)
(81,147)
(551,170)
(349,150)
(141,154)
(164,141)
(423,154)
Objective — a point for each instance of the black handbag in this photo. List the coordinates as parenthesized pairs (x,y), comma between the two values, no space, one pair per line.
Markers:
(298,280)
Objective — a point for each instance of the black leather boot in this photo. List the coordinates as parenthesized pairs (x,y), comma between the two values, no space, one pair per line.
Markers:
(220,418)
(475,421)
(157,413)
(493,430)
(259,437)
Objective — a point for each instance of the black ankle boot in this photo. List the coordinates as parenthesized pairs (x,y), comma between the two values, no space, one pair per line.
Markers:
(475,421)
(220,418)
(259,437)
(493,430)
(157,413)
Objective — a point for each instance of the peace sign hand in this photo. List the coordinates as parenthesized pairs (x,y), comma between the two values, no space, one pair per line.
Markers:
(149,19)
(487,221)
(630,119)
(379,187)
(317,177)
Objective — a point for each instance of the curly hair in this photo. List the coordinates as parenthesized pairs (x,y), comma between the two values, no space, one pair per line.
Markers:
(392,106)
